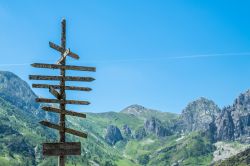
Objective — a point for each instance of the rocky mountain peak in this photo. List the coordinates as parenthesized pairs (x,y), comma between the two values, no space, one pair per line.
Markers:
(202,104)
(199,114)
(234,121)
(134,109)
(242,102)
(16,91)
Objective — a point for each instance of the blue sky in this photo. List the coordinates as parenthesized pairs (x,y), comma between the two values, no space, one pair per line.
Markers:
(160,54)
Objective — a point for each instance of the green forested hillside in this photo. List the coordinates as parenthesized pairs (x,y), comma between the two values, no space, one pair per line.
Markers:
(132,137)
(21,137)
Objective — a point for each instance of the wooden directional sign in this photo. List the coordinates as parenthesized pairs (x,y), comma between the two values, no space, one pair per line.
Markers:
(60,128)
(58,78)
(66,67)
(66,112)
(56,47)
(60,49)
(44,100)
(62,148)
(58,87)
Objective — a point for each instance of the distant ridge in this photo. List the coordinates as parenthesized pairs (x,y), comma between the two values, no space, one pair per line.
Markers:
(134,136)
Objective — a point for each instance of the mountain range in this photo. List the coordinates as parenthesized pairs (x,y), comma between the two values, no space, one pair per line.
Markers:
(203,134)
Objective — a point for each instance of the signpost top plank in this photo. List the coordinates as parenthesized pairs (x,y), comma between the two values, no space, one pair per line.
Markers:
(65,52)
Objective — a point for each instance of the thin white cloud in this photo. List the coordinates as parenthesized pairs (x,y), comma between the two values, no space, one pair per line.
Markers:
(151,59)
(209,55)
(174,57)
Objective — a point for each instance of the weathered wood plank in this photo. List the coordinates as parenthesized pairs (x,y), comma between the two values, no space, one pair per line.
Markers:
(62,148)
(59,78)
(39,77)
(56,47)
(54,92)
(66,112)
(63,51)
(73,55)
(58,87)
(66,67)
(45,100)
(67,130)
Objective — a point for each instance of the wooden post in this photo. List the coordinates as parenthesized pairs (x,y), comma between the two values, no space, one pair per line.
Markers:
(61,159)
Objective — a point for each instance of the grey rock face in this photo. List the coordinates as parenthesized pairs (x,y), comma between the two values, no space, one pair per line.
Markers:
(17,92)
(140,133)
(241,115)
(231,123)
(225,125)
(113,135)
(127,130)
(234,122)
(199,115)
(154,125)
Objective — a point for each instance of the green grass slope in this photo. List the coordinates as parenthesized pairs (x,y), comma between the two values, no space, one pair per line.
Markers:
(21,136)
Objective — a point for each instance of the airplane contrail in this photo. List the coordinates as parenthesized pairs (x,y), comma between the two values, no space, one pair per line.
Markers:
(175,57)
(150,59)
(209,55)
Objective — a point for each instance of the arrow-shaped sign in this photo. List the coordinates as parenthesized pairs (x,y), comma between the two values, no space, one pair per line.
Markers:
(45,100)
(59,78)
(66,112)
(66,67)
(65,52)
(58,87)
(67,130)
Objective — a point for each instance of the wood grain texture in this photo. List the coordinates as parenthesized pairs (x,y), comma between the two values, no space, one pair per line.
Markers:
(59,78)
(66,112)
(66,67)
(62,148)
(63,50)
(67,130)
(45,100)
(58,87)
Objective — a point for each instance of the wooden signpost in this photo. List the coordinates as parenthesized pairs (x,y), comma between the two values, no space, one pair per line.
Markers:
(62,148)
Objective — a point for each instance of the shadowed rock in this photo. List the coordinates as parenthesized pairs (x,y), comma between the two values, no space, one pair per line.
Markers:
(113,135)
